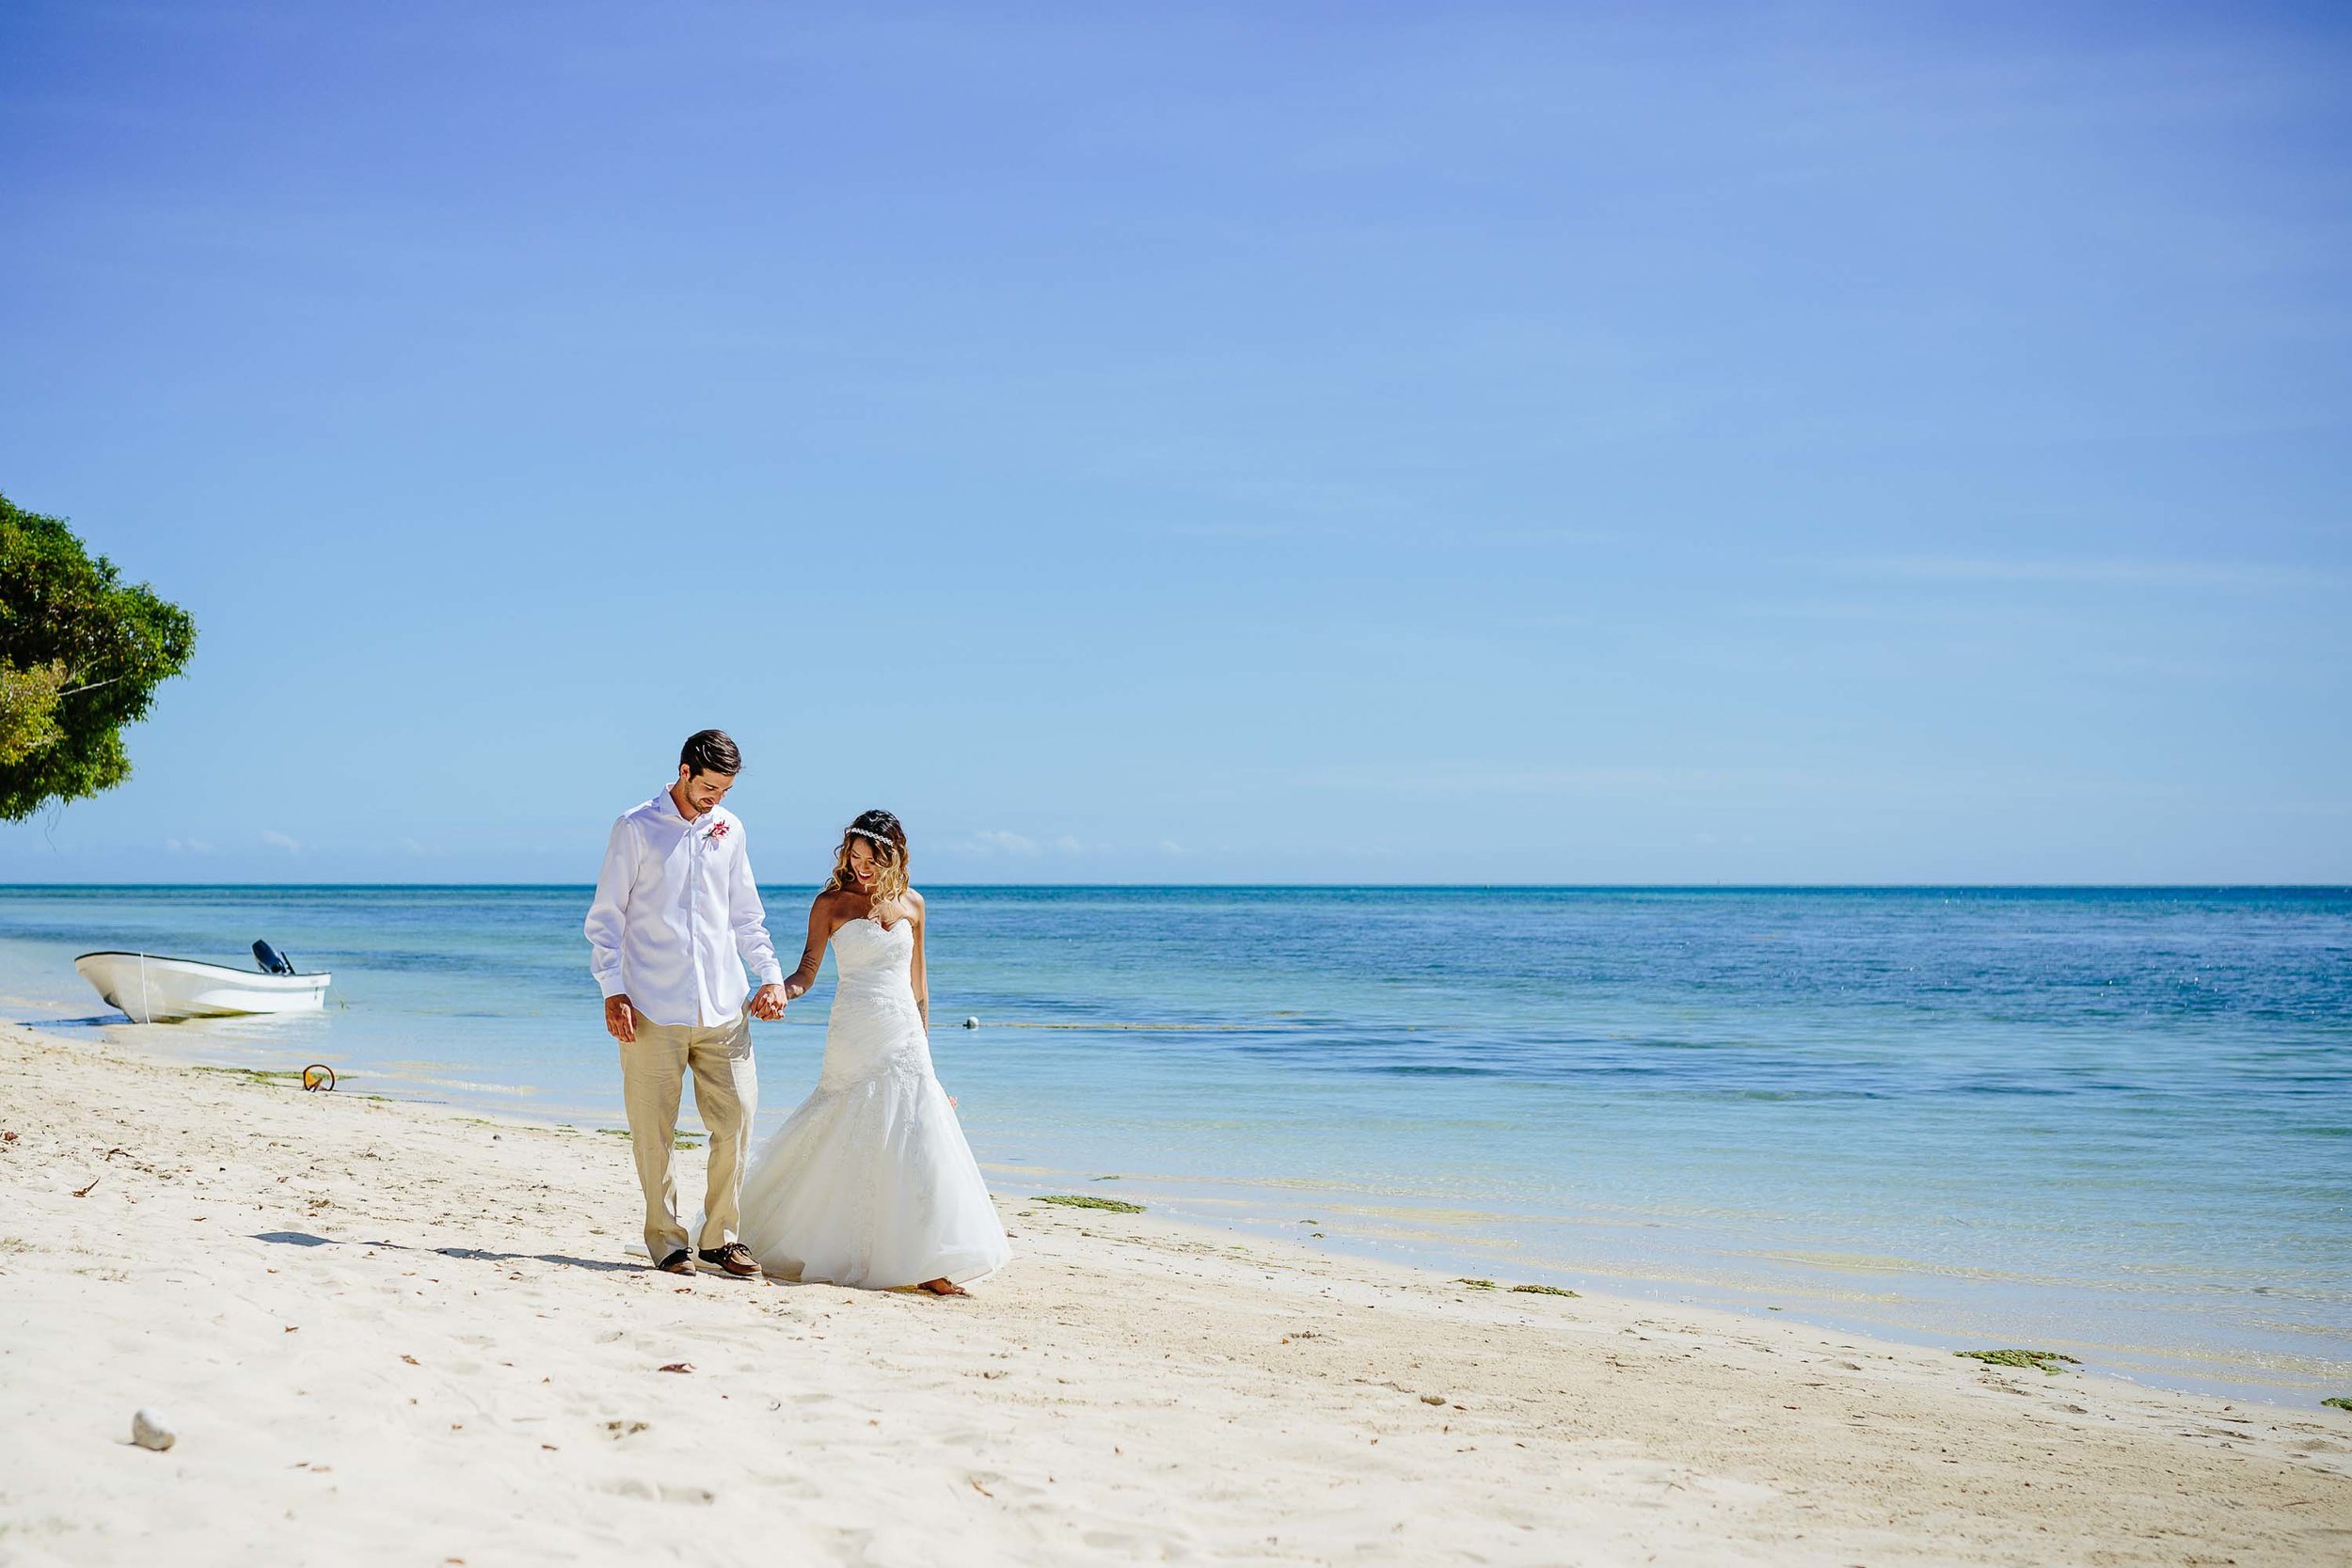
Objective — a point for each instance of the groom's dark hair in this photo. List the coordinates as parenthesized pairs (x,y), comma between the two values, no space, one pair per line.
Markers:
(710,752)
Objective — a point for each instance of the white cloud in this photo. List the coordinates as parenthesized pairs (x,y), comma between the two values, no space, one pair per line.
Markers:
(2105,572)
(1482,779)
(277,840)
(1169,847)
(1004,841)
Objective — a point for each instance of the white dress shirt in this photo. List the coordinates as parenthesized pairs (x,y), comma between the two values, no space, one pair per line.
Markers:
(676,918)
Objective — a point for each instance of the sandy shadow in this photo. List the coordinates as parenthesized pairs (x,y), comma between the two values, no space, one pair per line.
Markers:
(463,1254)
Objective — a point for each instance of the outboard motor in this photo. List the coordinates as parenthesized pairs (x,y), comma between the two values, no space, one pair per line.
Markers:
(271,960)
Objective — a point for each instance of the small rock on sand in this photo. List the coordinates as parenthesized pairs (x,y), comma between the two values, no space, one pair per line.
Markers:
(150,1429)
(1433,1399)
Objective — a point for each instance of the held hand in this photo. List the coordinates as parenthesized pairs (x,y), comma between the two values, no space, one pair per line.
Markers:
(620,1019)
(769,1002)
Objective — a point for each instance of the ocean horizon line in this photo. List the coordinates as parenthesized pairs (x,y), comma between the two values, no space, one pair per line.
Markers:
(2321,887)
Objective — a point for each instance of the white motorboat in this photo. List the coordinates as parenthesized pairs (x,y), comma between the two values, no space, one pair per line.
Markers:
(156,989)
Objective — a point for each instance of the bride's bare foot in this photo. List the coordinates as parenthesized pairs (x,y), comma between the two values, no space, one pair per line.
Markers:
(942,1288)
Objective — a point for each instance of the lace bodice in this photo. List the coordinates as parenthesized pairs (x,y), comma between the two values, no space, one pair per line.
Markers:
(866,952)
(875,1027)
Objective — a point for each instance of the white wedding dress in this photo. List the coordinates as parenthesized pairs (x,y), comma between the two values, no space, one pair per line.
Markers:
(870,1183)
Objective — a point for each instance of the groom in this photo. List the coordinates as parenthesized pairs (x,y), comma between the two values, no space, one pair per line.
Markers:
(675,919)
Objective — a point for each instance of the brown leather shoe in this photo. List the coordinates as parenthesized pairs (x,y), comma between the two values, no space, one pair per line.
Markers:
(734,1257)
(680,1261)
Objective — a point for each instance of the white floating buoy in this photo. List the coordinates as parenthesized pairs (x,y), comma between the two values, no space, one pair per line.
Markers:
(150,1429)
(971,1023)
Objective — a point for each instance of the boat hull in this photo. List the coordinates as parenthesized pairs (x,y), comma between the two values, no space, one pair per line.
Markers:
(154,989)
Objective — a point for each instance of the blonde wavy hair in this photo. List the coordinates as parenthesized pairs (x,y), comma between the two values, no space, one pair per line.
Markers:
(888,841)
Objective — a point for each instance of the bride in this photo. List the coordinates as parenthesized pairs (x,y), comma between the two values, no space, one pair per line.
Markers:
(870,1183)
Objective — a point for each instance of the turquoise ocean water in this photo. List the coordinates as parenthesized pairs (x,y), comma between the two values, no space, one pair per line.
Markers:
(2112,1122)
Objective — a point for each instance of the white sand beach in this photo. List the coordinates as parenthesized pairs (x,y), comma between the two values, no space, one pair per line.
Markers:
(389,1333)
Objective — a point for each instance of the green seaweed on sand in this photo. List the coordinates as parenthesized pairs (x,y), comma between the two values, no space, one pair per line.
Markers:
(258,1074)
(1540,1290)
(678,1140)
(1477,1284)
(2338,1403)
(1074,1200)
(2040,1360)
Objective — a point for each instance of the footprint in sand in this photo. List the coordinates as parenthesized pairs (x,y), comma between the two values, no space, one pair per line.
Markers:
(629,1486)
(799,1488)
(988,1483)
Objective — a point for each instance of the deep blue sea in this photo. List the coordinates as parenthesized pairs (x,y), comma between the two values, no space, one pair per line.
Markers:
(2112,1122)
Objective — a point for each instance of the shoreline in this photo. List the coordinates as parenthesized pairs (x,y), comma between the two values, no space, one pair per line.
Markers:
(389,1331)
(1407,1232)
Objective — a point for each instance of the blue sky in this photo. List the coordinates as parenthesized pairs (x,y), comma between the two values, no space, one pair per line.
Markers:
(1799,443)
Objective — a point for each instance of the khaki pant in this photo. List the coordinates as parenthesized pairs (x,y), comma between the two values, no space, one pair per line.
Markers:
(726,1093)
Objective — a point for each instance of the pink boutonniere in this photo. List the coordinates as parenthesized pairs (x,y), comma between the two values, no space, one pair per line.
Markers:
(718,831)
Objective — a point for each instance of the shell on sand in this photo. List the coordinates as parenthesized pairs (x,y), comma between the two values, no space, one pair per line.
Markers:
(152,1428)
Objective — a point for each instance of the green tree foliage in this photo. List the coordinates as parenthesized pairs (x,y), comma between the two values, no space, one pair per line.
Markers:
(80,657)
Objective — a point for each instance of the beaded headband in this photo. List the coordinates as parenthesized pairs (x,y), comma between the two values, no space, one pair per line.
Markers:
(878,838)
